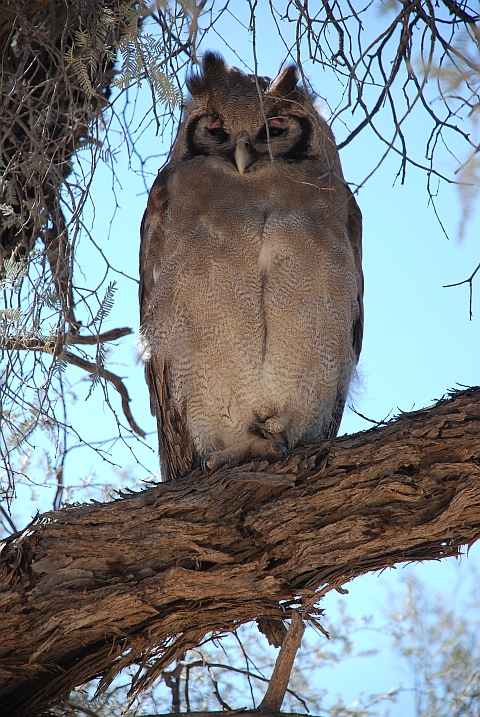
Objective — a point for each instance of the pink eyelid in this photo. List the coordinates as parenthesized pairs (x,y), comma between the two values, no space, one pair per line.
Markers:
(216,124)
(275,122)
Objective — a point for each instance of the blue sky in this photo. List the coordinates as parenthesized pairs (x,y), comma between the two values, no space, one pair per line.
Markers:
(419,341)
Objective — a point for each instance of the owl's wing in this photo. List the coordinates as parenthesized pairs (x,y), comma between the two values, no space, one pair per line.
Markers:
(354,230)
(174,444)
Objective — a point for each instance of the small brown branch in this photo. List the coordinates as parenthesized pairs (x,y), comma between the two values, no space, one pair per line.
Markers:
(468,281)
(278,684)
(57,347)
(172,680)
(48,345)
(459,12)
(115,380)
(111,335)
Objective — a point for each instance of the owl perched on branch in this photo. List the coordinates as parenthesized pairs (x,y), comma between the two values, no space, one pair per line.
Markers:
(250,275)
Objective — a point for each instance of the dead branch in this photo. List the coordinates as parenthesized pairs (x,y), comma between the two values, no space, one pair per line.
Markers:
(468,281)
(115,380)
(50,345)
(89,589)
(112,335)
(56,346)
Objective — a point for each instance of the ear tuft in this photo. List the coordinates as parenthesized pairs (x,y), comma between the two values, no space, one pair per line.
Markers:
(285,83)
(213,66)
(213,63)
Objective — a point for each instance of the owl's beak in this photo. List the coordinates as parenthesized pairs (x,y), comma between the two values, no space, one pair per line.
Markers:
(242,153)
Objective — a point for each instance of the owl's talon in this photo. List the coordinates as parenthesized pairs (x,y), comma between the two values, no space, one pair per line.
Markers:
(281,447)
(271,428)
(273,425)
(203,463)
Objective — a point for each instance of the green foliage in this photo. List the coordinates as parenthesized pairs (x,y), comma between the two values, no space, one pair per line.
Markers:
(441,648)
(232,672)
(9,217)
(437,646)
(92,50)
(141,55)
(13,273)
(106,305)
(140,51)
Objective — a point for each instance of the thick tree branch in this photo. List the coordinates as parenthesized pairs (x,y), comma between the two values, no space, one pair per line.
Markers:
(89,589)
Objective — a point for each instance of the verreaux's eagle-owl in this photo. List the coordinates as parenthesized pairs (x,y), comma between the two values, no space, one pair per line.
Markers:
(251,287)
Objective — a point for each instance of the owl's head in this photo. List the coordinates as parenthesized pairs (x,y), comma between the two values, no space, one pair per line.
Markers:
(248,120)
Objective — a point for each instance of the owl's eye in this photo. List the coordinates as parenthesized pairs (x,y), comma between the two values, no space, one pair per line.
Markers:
(275,129)
(216,129)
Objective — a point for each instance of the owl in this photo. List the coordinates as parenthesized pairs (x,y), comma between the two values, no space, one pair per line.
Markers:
(251,286)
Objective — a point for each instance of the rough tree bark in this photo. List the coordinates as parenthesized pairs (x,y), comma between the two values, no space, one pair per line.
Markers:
(91,588)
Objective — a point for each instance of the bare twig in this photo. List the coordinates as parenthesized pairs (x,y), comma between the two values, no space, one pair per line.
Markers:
(49,345)
(468,281)
(115,380)
(81,708)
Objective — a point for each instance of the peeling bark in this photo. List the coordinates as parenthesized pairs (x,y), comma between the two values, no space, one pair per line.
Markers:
(89,589)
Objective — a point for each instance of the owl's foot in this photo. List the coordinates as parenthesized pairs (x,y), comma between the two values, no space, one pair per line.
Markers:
(271,426)
(266,448)
(274,430)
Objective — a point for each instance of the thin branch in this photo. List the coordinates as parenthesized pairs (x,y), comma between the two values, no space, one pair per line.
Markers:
(81,708)
(217,694)
(115,380)
(111,335)
(50,345)
(459,12)
(53,346)
(172,679)
(468,281)
(9,520)
(247,673)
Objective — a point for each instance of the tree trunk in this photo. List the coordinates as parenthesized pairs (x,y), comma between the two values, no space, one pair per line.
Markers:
(89,589)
